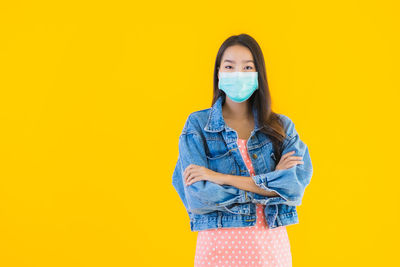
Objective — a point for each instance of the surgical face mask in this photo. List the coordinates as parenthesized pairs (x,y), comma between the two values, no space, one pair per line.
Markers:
(239,86)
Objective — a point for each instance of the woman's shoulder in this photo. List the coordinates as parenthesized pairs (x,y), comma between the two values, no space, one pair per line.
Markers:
(288,124)
(196,121)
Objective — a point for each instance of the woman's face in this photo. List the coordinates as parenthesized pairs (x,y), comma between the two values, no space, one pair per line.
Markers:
(237,58)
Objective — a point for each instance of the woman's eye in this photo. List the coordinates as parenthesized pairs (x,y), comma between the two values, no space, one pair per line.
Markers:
(249,67)
(227,66)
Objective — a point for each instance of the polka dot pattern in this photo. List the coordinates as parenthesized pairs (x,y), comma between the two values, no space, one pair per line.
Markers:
(244,246)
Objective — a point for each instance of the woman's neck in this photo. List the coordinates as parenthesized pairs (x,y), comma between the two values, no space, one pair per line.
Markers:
(236,111)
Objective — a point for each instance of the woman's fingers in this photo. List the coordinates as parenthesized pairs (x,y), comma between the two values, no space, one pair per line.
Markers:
(191,173)
(292,163)
(284,156)
(190,177)
(193,177)
(291,158)
(295,157)
(289,162)
(187,169)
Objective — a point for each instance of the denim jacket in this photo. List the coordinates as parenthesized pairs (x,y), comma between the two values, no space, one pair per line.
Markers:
(207,141)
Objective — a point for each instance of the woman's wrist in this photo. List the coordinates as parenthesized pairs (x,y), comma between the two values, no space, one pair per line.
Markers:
(221,178)
(243,182)
(227,179)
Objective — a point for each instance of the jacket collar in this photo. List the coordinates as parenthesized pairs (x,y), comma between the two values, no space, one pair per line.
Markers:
(216,123)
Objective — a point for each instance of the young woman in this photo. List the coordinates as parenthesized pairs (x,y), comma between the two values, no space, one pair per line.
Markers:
(241,135)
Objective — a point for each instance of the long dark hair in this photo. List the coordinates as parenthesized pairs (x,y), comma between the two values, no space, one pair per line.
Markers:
(261,98)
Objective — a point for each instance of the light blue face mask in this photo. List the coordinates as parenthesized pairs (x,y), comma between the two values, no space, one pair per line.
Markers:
(239,85)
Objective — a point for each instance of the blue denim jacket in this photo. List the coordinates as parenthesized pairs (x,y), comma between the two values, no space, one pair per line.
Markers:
(207,141)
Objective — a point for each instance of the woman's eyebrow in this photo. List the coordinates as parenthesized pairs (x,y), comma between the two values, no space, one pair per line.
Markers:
(232,61)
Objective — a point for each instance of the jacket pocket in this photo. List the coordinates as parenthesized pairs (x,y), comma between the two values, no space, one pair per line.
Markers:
(223,163)
(222,155)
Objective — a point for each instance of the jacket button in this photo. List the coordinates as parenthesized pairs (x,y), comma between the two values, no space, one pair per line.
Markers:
(254,156)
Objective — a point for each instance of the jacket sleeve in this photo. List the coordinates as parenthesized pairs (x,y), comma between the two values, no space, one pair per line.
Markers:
(289,183)
(202,196)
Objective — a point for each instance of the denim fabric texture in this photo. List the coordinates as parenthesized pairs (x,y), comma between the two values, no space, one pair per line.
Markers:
(207,141)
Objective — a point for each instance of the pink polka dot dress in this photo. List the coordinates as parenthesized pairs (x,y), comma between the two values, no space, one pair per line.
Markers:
(244,246)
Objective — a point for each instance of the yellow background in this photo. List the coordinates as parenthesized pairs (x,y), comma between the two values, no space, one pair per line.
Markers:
(94,96)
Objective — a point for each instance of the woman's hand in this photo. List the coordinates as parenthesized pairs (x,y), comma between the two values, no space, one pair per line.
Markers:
(288,161)
(194,173)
